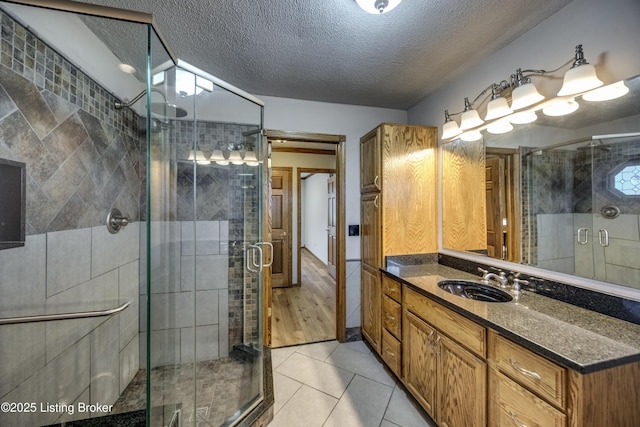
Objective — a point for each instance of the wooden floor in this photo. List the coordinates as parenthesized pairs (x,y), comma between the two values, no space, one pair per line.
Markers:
(306,313)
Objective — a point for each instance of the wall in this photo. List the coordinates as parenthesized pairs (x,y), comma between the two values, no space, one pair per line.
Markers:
(81,161)
(315,209)
(353,121)
(608,32)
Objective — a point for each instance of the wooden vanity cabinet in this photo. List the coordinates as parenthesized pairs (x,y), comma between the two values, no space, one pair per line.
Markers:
(448,379)
(391,350)
(528,389)
(397,214)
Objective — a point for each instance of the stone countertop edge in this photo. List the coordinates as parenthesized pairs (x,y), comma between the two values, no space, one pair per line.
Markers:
(580,340)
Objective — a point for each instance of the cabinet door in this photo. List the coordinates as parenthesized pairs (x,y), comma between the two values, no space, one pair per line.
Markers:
(370,242)
(462,384)
(419,361)
(370,162)
(371,306)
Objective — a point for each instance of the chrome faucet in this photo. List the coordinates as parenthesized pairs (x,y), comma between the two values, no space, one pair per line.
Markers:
(500,278)
(517,285)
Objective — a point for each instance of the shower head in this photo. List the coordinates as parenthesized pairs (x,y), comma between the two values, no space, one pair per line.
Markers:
(598,146)
(162,109)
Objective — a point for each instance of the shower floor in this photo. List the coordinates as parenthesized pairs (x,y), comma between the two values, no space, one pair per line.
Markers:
(222,387)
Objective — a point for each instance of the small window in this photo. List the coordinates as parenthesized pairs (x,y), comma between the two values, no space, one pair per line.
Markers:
(624,180)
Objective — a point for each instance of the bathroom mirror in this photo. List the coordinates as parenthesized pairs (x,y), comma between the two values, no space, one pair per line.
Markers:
(561,193)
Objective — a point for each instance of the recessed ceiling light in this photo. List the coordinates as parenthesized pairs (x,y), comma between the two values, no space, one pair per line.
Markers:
(126,68)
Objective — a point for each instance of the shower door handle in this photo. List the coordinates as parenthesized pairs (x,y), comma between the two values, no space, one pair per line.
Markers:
(603,238)
(251,253)
(583,232)
(270,263)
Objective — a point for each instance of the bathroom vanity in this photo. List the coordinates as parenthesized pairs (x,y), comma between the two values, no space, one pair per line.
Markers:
(533,361)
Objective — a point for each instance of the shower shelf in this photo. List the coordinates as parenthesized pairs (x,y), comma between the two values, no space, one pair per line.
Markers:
(63,316)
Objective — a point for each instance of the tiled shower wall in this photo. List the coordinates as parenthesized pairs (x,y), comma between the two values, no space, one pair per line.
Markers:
(190,287)
(547,188)
(223,193)
(82,159)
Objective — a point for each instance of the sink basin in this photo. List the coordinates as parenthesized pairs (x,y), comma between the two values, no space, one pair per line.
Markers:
(474,290)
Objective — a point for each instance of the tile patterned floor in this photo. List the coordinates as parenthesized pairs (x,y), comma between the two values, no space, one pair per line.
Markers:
(334,385)
(222,386)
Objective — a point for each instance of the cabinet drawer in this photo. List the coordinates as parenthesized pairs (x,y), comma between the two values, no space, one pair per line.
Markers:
(391,315)
(513,405)
(391,349)
(538,374)
(464,331)
(391,288)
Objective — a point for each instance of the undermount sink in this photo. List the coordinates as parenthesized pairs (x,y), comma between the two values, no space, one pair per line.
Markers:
(474,290)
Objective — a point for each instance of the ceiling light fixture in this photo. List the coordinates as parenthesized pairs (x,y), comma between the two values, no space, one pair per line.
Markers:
(580,78)
(378,7)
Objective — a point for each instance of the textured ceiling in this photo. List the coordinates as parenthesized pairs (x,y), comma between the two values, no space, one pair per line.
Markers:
(332,50)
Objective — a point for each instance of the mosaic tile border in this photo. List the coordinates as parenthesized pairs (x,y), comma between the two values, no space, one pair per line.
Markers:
(22,51)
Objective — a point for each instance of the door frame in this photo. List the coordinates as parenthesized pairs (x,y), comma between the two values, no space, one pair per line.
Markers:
(299,225)
(341,295)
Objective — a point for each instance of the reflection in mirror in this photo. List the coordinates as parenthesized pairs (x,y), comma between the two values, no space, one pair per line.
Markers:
(561,193)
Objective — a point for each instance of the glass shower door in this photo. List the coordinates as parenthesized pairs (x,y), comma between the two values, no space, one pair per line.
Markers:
(206,271)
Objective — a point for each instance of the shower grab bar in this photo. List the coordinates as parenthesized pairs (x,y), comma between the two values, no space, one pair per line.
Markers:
(63,316)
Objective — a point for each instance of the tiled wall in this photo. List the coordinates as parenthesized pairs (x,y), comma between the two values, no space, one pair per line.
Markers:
(179,263)
(82,157)
(555,240)
(223,193)
(88,360)
(547,188)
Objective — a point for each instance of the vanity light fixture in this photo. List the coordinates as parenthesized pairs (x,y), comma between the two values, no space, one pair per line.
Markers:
(218,157)
(498,106)
(470,117)
(199,157)
(450,128)
(561,108)
(606,93)
(236,155)
(524,92)
(378,7)
(580,78)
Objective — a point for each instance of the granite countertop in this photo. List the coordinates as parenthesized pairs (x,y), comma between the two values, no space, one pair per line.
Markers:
(574,337)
